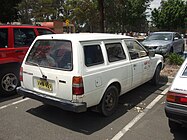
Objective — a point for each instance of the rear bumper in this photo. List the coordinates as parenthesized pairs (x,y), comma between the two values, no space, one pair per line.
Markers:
(63,104)
(176,112)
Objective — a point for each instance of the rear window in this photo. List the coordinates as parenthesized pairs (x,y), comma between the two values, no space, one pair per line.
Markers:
(51,54)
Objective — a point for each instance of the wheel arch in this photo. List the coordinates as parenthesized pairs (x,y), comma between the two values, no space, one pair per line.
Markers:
(115,83)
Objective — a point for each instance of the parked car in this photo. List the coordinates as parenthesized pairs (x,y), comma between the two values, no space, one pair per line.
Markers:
(14,43)
(165,42)
(77,71)
(176,100)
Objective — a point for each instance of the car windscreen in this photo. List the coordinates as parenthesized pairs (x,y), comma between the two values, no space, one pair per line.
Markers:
(52,54)
(160,36)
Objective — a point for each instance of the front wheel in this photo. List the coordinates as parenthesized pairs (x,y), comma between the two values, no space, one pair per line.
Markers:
(156,78)
(109,101)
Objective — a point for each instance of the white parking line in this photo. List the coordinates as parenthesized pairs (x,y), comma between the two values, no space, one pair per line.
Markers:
(139,116)
(17,102)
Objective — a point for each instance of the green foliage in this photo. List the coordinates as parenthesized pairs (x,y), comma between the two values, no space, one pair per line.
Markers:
(175,59)
(170,15)
(125,15)
(8,11)
(117,15)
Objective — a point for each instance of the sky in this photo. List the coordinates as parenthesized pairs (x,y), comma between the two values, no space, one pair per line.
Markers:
(155,4)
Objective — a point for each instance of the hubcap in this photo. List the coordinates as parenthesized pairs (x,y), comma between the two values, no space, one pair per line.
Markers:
(109,102)
(9,82)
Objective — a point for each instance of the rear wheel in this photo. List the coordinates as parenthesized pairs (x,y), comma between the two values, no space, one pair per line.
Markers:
(9,80)
(109,101)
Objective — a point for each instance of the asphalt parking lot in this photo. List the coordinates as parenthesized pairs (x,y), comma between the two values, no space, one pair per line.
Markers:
(140,116)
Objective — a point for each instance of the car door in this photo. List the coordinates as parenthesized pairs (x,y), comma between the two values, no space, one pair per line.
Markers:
(140,62)
(23,37)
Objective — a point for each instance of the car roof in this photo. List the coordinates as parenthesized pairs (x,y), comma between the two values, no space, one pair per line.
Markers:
(84,36)
(21,26)
(162,32)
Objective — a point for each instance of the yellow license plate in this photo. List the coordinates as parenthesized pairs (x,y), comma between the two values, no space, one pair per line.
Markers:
(45,85)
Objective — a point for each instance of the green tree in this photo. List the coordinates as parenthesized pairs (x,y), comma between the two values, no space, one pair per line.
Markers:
(38,10)
(170,15)
(8,11)
(125,15)
(85,14)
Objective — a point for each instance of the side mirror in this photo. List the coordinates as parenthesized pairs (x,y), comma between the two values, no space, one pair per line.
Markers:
(151,53)
(176,38)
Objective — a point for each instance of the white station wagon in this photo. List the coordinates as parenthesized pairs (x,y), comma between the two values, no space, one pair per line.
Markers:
(78,71)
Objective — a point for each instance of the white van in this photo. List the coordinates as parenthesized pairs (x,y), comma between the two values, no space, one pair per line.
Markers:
(78,71)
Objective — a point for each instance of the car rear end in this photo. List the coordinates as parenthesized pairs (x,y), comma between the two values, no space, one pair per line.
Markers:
(176,100)
(47,74)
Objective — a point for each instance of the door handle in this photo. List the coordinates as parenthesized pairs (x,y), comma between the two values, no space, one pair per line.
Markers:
(134,65)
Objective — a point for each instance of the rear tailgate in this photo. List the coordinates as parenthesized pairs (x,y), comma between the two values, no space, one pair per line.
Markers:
(55,83)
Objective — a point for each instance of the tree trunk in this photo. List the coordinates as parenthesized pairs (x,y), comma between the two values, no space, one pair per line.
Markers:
(101,13)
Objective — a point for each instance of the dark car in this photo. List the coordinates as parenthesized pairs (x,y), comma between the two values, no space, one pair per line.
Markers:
(14,43)
(176,100)
(165,42)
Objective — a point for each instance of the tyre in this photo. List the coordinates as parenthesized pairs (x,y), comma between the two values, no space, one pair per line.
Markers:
(174,126)
(156,78)
(109,101)
(182,50)
(9,80)
(171,50)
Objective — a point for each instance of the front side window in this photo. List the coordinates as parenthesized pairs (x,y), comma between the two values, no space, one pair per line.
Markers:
(3,38)
(177,36)
(115,52)
(135,49)
(23,37)
(52,54)
(185,72)
(93,55)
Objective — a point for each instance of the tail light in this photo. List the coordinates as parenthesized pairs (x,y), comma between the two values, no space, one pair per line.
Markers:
(77,85)
(176,98)
(21,74)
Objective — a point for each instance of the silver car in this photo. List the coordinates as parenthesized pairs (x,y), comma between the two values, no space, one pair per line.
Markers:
(165,42)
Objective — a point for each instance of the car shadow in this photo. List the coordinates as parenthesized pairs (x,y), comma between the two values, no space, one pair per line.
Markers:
(180,134)
(90,122)
(4,98)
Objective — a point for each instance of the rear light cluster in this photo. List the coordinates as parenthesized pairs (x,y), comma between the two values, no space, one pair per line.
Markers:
(77,85)
(21,74)
(176,98)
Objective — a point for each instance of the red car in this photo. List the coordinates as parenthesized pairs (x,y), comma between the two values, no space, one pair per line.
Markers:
(14,43)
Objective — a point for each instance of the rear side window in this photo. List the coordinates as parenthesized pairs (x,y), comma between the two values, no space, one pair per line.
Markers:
(93,55)
(115,52)
(51,54)
(3,38)
(23,37)
(44,31)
